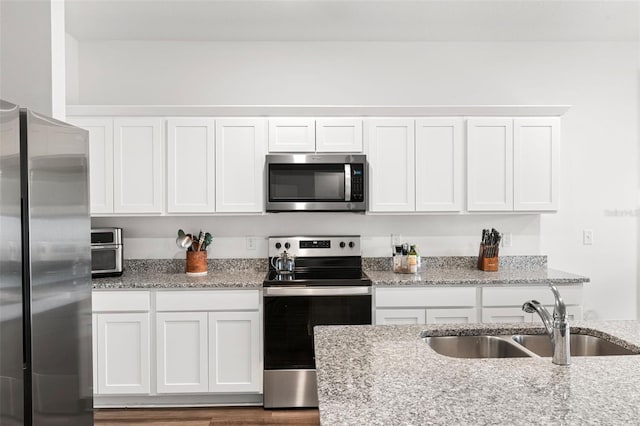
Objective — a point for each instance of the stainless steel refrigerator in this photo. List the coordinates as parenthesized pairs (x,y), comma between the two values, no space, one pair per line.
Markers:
(45,271)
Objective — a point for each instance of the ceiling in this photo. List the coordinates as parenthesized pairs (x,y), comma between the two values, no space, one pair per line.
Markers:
(353,20)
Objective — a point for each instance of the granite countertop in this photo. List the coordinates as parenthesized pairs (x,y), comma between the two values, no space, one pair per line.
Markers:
(254,279)
(473,276)
(214,279)
(382,375)
(250,273)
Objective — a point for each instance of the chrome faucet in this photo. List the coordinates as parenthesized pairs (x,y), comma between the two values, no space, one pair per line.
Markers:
(557,326)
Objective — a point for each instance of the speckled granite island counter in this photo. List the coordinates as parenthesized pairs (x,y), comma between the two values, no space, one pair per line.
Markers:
(387,375)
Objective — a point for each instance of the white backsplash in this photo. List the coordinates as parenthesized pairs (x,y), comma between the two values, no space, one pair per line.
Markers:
(435,235)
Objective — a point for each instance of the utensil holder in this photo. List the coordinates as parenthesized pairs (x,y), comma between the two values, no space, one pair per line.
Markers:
(196,263)
(486,263)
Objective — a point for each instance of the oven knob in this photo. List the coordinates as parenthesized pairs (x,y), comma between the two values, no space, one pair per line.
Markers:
(342,244)
(351,244)
(287,246)
(278,245)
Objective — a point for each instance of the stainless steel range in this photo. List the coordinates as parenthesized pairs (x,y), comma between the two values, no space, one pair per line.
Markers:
(323,285)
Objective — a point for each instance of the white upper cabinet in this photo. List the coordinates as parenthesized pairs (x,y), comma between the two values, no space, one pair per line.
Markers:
(536,163)
(390,151)
(138,167)
(190,165)
(101,161)
(339,135)
(490,164)
(292,134)
(439,164)
(240,154)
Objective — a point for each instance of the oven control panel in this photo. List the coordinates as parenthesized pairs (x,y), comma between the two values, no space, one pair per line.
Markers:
(348,245)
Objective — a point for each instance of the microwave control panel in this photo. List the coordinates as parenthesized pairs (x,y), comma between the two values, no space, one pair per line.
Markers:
(357,182)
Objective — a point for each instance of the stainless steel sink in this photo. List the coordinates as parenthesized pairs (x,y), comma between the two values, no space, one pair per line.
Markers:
(520,346)
(475,347)
(581,345)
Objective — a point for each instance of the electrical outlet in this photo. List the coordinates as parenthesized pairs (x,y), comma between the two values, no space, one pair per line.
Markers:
(587,237)
(251,243)
(506,239)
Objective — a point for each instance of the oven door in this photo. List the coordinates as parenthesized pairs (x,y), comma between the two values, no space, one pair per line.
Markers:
(289,317)
(291,313)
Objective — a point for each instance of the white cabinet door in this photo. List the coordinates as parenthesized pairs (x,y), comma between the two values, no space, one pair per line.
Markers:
(182,352)
(339,135)
(292,135)
(240,151)
(100,162)
(190,165)
(138,166)
(123,353)
(94,348)
(390,147)
(234,352)
(536,164)
(490,164)
(505,315)
(400,316)
(450,316)
(439,164)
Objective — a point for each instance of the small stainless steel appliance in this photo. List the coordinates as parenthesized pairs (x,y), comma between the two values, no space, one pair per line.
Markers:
(327,287)
(106,252)
(316,182)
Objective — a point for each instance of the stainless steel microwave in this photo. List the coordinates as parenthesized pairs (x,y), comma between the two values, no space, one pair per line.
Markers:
(106,252)
(316,182)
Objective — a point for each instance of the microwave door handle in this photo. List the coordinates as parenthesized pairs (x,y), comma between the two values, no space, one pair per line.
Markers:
(347,182)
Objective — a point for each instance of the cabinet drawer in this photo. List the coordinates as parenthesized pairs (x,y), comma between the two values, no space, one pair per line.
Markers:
(516,296)
(425,297)
(216,300)
(120,301)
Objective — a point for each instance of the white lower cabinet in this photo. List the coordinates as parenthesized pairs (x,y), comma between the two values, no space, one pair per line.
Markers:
(400,316)
(208,352)
(424,305)
(121,342)
(182,352)
(457,304)
(208,341)
(234,352)
(451,315)
(123,353)
(426,316)
(510,314)
(504,304)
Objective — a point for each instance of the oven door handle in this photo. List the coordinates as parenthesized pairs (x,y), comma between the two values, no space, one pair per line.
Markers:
(316,291)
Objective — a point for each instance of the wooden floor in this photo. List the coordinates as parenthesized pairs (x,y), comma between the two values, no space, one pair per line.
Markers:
(204,416)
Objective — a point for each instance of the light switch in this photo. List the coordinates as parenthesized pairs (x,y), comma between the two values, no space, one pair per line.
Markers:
(587,237)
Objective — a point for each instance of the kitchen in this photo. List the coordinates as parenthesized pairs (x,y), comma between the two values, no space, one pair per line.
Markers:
(157,60)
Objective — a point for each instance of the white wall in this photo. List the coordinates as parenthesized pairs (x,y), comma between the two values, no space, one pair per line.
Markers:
(599,151)
(32,60)
(25,54)
(435,235)
(58,65)
(72,68)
